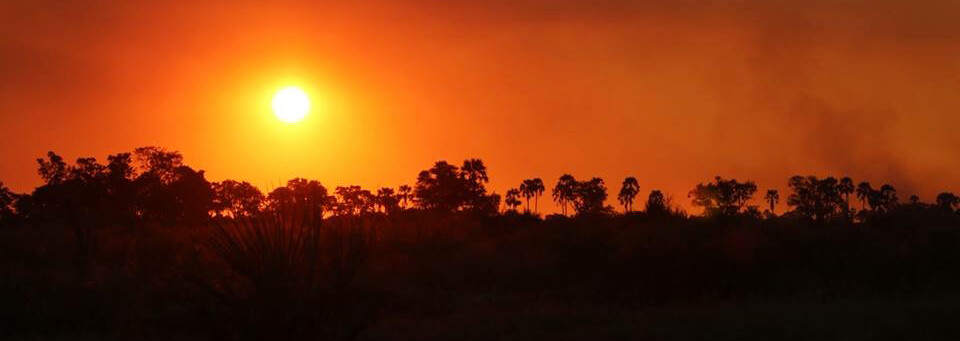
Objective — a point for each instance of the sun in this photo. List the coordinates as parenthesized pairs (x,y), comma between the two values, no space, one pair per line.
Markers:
(291,104)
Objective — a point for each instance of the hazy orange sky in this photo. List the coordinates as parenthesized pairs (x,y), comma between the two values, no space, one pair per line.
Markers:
(672,92)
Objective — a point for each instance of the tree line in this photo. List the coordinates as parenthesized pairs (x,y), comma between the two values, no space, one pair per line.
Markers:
(153,184)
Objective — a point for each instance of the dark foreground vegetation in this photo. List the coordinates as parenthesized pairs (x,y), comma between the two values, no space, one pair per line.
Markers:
(144,247)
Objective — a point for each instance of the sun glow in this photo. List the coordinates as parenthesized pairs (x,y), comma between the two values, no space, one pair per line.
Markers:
(291,104)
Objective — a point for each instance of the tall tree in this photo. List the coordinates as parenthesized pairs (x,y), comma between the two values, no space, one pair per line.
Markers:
(527,189)
(563,191)
(388,200)
(864,191)
(513,199)
(628,191)
(538,189)
(405,195)
(846,187)
(772,197)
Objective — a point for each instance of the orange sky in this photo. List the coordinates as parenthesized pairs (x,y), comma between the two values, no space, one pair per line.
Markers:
(672,92)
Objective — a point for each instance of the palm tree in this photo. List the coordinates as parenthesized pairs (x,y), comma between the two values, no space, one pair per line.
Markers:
(512,200)
(532,188)
(538,189)
(864,191)
(887,197)
(845,187)
(563,191)
(772,197)
(405,192)
(526,189)
(628,191)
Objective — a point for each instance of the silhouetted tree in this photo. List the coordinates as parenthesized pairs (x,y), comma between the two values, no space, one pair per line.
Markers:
(532,188)
(656,203)
(864,191)
(445,187)
(53,171)
(538,189)
(513,199)
(387,200)
(8,201)
(948,201)
(122,194)
(489,205)
(239,199)
(563,191)
(914,200)
(192,196)
(527,190)
(301,197)
(354,200)
(440,187)
(474,175)
(723,197)
(589,196)
(845,187)
(158,162)
(405,194)
(886,198)
(815,198)
(628,191)
(772,197)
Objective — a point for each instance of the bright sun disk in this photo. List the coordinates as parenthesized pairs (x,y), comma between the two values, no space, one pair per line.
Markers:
(290,104)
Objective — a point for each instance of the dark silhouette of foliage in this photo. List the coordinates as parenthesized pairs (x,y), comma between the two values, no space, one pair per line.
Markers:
(387,200)
(446,187)
(353,200)
(53,171)
(156,248)
(914,200)
(300,195)
(532,188)
(772,197)
(628,191)
(656,203)
(286,277)
(845,187)
(948,201)
(864,191)
(513,199)
(564,191)
(818,199)
(723,197)
(405,194)
(237,198)
(8,201)
(589,196)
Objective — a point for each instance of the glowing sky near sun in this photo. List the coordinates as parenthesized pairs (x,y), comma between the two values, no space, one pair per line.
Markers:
(672,92)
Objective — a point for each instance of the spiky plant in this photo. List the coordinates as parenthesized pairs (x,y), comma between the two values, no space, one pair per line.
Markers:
(286,277)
